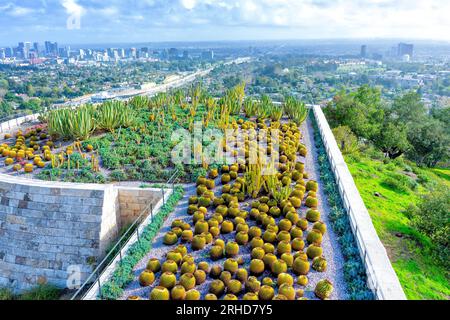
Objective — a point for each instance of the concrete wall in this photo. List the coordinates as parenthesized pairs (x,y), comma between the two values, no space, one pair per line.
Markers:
(382,279)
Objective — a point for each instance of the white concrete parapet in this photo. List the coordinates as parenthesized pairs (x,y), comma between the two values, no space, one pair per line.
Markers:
(381,277)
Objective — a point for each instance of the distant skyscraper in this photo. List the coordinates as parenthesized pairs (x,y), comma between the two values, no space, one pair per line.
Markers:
(405,48)
(208,55)
(2,53)
(51,48)
(9,52)
(363,53)
(36,48)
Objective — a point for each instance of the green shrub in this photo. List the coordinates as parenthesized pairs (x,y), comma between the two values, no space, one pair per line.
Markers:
(346,140)
(399,182)
(6,294)
(42,292)
(431,218)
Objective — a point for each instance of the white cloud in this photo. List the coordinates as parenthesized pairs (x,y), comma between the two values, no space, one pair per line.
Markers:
(189,4)
(72,7)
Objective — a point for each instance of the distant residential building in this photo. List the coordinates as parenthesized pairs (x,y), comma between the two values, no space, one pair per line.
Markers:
(405,48)
(363,52)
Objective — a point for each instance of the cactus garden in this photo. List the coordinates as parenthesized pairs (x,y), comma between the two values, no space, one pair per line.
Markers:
(241,234)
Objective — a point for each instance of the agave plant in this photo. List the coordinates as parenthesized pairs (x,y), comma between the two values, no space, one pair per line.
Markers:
(295,110)
(114,114)
(67,123)
(250,107)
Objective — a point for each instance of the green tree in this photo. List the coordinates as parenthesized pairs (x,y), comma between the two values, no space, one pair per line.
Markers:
(408,108)
(362,111)
(392,139)
(429,141)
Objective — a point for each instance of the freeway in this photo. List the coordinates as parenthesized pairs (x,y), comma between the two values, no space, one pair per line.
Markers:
(129,93)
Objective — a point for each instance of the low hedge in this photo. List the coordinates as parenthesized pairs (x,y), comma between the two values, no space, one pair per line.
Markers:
(354,270)
(123,275)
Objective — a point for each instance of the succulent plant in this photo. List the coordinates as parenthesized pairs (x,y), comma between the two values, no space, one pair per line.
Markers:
(257,253)
(311,202)
(285,278)
(284,236)
(193,295)
(321,226)
(269,259)
(146,278)
(324,289)
(314,236)
(298,244)
(266,293)
(188,267)
(270,236)
(312,215)
(231,266)
(257,267)
(242,275)
(256,242)
(252,284)
(216,252)
(242,238)
(217,287)
(160,293)
(215,271)
(231,249)
(226,178)
(167,280)
(234,286)
(319,264)
(227,227)
(312,185)
(314,251)
(301,266)
(288,258)
(187,235)
(269,248)
(210,296)
(178,293)
(153,265)
(283,247)
(203,265)
(170,238)
(285,225)
(302,280)
(169,266)
(200,277)
(250,296)
(188,258)
(198,242)
(279,266)
(181,249)
(175,256)
(287,290)
(187,280)
(230,296)
(302,224)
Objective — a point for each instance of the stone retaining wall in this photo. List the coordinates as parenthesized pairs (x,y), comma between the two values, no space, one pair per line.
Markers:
(382,279)
(48,229)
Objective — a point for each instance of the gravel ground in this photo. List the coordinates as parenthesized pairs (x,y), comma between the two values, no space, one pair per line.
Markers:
(331,249)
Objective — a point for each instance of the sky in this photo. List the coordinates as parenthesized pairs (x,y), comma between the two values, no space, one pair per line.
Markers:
(102,21)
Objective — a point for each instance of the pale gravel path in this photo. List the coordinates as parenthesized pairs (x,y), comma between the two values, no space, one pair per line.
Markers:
(330,244)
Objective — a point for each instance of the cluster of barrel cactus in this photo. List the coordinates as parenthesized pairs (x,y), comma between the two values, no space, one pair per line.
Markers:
(284,242)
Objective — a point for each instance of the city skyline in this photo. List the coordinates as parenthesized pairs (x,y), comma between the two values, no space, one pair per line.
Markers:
(87,21)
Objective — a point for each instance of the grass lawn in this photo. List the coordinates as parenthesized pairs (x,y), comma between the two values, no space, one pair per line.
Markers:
(420,275)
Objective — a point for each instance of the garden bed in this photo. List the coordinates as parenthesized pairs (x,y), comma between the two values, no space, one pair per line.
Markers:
(331,250)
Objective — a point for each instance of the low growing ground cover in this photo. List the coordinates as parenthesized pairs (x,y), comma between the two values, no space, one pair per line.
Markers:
(388,189)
